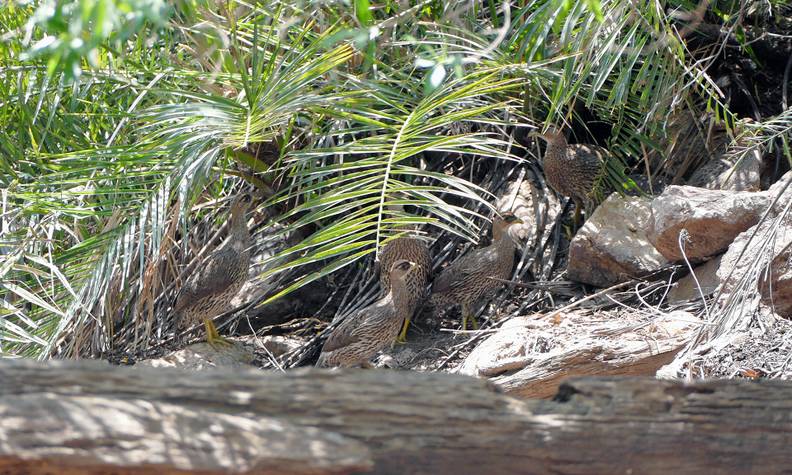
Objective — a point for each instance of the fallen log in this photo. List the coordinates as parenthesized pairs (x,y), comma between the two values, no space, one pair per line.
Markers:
(88,417)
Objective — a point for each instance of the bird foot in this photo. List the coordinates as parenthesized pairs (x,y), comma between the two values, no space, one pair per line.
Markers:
(214,339)
(402,338)
(569,232)
(473,322)
(219,343)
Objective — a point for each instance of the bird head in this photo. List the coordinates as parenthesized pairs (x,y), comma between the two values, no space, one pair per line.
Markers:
(507,219)
(502,223)
(552,134)
(401,268)
(242,202)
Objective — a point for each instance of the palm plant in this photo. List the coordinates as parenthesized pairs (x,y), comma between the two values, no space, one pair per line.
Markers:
(370,112)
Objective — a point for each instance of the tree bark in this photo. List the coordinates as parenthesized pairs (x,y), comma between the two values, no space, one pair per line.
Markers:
(87,417)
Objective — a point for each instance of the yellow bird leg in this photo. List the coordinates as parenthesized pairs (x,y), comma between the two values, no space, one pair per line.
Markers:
(467,314)
(402,338)
(569,231)
(213,337)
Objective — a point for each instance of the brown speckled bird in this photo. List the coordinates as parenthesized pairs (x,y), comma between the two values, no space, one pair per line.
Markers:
(211,287)
(468,278)
(573,170)
(413,250)
(362,334)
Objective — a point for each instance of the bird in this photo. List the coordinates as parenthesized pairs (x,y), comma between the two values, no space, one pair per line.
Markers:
(467,279)
(208,291)
(414,250)
(573,170)
(369,330)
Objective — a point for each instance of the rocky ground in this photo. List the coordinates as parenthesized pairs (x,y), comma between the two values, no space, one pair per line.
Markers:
(622,301)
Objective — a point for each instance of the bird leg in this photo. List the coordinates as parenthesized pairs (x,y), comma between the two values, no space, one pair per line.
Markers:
(213,337)
(402,338)
(467,313)
(571,230)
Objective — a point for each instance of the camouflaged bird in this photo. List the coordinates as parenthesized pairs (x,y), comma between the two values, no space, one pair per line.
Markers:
(209,290)
(413,250)
(574,170)
(467,279)
(364,333)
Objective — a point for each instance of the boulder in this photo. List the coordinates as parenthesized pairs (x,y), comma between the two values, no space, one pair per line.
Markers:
(722,174)
(762,254)
(686,289)
(612,246)
(776,286)
(529,356)
(711,219)
(780,194)
(528,202)
(277,345)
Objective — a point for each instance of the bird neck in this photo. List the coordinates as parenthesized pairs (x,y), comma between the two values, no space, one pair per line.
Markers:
(239,229)
(556,146)
(399,292)
(499,231)
(500,236)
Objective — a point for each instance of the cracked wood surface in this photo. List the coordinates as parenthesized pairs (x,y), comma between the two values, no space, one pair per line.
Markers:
(89,417)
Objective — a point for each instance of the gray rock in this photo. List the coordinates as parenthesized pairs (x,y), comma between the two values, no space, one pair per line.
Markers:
(202,356)
(686,289)
(711,219)
(763,254)
(529,356)
(612,246)
(721,174)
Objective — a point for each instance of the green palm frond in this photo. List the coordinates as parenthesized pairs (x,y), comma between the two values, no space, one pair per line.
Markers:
(354,197)
(379,117)
(177,148)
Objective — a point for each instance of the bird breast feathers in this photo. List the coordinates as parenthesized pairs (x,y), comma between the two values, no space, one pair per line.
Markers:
(471,263)
(212,278)
(355,325)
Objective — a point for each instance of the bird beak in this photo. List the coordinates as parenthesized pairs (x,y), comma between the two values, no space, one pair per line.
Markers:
(413,266)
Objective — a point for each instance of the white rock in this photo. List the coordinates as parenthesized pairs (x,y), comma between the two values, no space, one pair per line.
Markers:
(746,255)
(526,201)
(275,344)
(721,174)
(711,218)
(529,356)
(776,290)
(612,245)
(686,289)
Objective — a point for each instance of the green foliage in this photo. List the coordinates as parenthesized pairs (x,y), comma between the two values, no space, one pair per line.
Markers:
(363,103)
(66,33)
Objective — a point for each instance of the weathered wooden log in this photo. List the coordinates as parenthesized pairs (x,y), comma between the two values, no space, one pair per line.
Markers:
(87,417)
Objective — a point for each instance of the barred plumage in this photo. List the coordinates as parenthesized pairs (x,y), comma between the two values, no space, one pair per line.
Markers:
(413,250)
(364,333)
(574,170)
(467,279)
(211,287)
